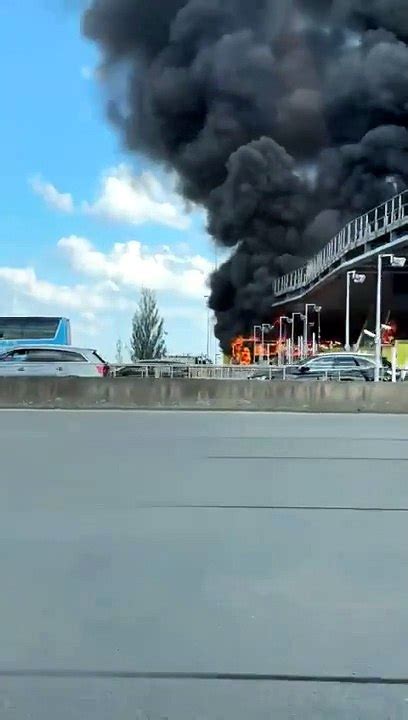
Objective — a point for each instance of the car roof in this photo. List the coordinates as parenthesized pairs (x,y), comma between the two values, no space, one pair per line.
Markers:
(161,361)
(68,348)
(343,354)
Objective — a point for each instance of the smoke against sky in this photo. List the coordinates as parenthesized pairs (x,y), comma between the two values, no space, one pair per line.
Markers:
(283,118)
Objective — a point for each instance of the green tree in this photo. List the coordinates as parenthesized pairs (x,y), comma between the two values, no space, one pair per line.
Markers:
(148,335)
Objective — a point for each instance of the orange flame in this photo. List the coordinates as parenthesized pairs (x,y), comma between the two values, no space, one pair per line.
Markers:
(244,351)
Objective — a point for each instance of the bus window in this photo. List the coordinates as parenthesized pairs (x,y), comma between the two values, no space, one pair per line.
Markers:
(26,330)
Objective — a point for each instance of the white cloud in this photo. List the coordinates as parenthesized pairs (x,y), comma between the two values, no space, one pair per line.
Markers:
(127,198)
(95,316)
(102,305)
(124,197)
(132,265)
(82,298)
(53,197)
(111,283)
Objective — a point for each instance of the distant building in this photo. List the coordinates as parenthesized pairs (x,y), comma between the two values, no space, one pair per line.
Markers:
(384,230)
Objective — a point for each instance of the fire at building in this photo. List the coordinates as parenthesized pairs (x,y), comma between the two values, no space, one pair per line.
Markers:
(284,121)
(277,345)
(282,343)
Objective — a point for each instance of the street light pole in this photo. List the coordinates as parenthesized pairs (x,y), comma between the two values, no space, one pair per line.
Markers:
(256,327)
(208,332)
(294,315)
(265,328)
(347,344)
(281,320)
(207,297)
(378,362)
(318,309)
(358,278)
(305,331)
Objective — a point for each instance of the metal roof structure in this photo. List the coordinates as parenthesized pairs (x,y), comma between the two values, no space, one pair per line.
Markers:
(383,229)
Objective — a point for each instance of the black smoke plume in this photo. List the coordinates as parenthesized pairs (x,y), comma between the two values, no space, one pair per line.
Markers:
(283,118)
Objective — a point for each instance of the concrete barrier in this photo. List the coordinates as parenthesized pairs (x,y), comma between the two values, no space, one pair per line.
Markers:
(131,393)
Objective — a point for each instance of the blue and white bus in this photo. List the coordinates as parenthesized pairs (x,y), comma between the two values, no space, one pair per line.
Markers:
(34,331)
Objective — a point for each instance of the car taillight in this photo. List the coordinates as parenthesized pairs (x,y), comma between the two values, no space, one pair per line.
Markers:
(103,370)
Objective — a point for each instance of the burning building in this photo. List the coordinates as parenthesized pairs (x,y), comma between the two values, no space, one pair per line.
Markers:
(284,119)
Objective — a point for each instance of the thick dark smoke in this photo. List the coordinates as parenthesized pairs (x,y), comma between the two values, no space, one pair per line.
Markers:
(283,118)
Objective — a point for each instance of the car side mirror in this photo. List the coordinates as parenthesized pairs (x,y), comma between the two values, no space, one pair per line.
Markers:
(304,369)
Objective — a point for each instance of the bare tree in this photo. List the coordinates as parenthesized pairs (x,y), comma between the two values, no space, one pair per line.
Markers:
(148,335)
(119,352)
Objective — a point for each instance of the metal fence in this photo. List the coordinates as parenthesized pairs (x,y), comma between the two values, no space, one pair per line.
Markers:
(236,372)
(207,372)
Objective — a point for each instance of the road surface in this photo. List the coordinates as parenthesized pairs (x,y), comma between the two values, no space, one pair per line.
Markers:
(225,546)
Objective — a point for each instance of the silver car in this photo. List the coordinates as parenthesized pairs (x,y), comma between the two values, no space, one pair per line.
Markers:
(52,361)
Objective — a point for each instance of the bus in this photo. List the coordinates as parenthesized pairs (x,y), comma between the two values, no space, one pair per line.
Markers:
(34,331)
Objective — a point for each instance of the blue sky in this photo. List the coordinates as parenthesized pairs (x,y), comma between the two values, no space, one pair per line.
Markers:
(83,224)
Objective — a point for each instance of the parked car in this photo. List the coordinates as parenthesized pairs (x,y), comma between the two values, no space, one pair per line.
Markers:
(330,366)
(154,368)
(52,361)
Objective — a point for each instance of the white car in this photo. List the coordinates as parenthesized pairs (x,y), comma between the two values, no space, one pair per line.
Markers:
(52,361)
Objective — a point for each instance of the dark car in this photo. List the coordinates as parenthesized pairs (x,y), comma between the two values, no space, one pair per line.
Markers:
(329,366)
(154,368)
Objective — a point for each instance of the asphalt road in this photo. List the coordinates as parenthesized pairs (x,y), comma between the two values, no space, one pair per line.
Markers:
(218,544)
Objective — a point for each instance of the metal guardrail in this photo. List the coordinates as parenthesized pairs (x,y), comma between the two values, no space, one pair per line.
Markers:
(230,372)
(326,376)
(222,372)
(379,221)
(210,372)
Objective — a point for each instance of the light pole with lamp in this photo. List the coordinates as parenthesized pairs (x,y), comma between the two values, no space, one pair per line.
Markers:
(282,319)
(302,317)
(256,328)
(395,262)
(266,327)
(359,279)
(318,309)
(206,298)
(318,313)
